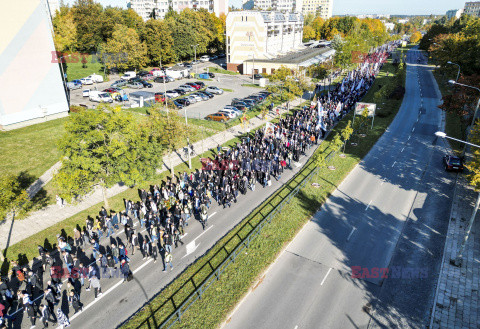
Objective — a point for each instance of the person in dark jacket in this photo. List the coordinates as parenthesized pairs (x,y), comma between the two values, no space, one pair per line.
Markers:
(125,269)
(74,301)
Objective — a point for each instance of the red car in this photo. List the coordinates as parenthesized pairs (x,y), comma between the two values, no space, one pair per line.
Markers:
(112,90)
(159,98)
(194,85)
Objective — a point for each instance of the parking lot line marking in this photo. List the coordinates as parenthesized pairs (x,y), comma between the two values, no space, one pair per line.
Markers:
(323,281)
(350,235)
(368,205)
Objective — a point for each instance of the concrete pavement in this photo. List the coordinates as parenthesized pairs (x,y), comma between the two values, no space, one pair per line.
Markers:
(386,216)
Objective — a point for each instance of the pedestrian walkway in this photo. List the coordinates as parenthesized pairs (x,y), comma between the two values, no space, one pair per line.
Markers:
(457,302)
(53,214)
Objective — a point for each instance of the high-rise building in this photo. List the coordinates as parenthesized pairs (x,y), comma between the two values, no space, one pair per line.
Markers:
(159,8)
(454,13)
(472,8)
(31,82)
(322,8)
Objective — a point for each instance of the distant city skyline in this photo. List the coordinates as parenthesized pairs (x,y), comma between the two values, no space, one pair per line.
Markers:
(355,7)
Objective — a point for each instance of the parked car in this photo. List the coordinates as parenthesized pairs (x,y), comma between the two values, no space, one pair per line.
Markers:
(204,58)
(214,90)
(179,64)
(231,113)
(198,98)
(264,92)
(74,84)
(249,102)
(453,163)
(180,91)
(178,105)
(211,75)
(156,72)
(183,101)
(186,88)
(233,108)
(119,83)
(202,96)
(128,75)
(95,78)
(221,117)
(192,99)
(210,95)
(135,85)
(146,84)
(221,55)
(146,76)
(257,76)
(193,84)
(200,83)
(114,92)
(86,81)
(171,94)
(159,97)
(100,96)
(240,103)
(195,62)
(161,79)
(214,57)
(86,92)
(223,65)
(241,108)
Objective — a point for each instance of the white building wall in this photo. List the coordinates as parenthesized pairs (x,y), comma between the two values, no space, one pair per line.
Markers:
(145,7)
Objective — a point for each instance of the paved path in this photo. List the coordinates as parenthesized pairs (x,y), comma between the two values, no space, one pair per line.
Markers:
(52,214)
(457,304)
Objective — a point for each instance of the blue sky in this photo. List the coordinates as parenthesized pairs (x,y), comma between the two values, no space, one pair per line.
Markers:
(342,7)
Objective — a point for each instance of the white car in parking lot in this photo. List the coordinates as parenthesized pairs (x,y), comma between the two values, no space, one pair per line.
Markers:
(86,81)
(191,99)
(230,113)
(233,108)
(214,90)
(204,58)
(198,98)
(95,78)
(171,94)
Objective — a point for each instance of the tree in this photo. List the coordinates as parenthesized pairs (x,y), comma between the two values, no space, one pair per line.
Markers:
(12,196)
(125,42)
(415,37)
(65,30)
(308,33)
(159,41)
(103,147)
(474,165)
(169,130)
(346,133)
(88,18)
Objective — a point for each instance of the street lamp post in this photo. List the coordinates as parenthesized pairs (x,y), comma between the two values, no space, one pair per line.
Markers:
(253,68)
(196,64)
(458,74)
(188,141)
(458,259)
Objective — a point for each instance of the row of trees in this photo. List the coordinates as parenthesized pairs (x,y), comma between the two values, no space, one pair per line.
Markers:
(86,26)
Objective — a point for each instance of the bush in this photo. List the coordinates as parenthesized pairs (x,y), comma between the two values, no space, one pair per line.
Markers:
(13,197)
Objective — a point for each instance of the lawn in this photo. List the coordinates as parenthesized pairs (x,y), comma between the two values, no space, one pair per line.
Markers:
(221,71)
(217,301)
(77,70)
(32,149)
(252,85)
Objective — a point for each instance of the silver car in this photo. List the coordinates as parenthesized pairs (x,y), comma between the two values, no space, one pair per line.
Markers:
(135,85)
(214,90)
(191,99)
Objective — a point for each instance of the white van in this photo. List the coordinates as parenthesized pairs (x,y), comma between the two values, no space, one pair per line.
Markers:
(129,75)
(95,78)
(100,96)
(205,58)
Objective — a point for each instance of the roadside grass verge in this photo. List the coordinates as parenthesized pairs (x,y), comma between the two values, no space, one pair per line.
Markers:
(252,85)
(227,90)
(218,300)
(454,125)
(220,71)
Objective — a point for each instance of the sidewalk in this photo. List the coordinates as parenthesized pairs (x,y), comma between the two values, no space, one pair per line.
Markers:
(457,302)
(52,214)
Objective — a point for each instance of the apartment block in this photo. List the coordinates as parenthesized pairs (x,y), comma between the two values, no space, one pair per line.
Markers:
(158,8)
(472,8)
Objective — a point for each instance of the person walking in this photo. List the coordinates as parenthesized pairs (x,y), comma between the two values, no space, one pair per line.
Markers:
(125,269)
(62,319)
(74,301)
(168,261)
(45,315)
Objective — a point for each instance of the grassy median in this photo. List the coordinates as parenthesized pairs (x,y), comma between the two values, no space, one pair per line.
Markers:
(218,300)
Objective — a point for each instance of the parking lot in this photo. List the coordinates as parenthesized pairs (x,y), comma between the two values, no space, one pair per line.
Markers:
(196,110)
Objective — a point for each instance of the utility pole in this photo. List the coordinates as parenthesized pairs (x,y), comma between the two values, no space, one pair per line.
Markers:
(253,69)
(196,64)
(188,141)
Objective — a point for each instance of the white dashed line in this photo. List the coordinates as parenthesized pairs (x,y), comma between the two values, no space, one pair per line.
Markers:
(368,205)
(394,163)
(402,149)
(323,281)
(350,235)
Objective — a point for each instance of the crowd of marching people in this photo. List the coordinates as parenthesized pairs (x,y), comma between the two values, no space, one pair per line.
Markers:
(155,223)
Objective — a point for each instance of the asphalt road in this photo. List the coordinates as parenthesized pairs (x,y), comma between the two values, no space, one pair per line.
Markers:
(120,300)
(390,212)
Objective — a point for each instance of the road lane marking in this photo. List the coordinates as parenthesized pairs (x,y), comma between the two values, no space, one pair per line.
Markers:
(350,235)
(107,292)
(323,281)
(403,149)
(409,137)
(368,206)
(212,214)
(413,129)
(394,163)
